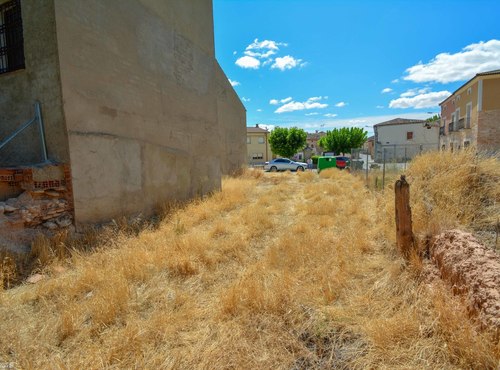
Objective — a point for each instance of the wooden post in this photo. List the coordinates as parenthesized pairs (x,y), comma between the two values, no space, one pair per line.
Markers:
(404,234)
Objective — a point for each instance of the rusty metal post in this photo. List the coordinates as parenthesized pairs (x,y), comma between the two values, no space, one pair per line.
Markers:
(404,233)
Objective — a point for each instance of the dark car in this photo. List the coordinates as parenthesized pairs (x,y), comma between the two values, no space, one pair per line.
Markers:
(342,162)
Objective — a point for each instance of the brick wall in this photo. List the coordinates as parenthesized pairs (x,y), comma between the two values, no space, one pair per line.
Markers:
(488,137)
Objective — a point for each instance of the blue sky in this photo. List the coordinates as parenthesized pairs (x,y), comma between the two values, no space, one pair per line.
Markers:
(319,64)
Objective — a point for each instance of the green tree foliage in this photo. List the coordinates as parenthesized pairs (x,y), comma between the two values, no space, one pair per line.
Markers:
(343,140)
(287,141)
(434,118)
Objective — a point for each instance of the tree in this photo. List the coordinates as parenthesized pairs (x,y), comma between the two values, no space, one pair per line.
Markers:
(287,141)
(434,118)
(344,139)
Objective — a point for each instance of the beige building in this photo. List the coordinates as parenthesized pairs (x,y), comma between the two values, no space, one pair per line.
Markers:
(471,115)
(258,147)
(135,107)
(312,142)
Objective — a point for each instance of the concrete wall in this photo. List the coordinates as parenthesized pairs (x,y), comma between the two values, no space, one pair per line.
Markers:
(38,81)
(140,96)
(232,125)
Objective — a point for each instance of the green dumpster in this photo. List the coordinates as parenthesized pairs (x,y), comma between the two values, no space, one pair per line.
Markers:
(326,162)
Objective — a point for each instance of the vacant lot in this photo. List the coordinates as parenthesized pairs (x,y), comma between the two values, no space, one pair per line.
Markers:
(277,271)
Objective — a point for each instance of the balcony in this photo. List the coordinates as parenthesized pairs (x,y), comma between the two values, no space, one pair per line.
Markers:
(457,125)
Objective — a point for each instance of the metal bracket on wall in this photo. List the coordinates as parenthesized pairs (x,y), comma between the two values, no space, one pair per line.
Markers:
(37,119)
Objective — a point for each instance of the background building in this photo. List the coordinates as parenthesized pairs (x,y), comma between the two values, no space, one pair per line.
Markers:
(402,139)
(258,147)
(471,115)
(134,102)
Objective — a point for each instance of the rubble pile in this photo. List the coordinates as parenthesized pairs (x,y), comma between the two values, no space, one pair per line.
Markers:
(47,208)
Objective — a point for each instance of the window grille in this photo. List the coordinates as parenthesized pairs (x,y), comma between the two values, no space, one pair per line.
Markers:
(11,37)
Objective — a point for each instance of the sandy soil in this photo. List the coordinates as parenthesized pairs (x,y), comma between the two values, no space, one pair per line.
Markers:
(473,270)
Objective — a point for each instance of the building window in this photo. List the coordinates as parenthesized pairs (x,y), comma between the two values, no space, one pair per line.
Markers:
(261,140)
(249,140)
(409,135)
(257,156)
(468,113)
(466,144)
(11,37)
(469,90)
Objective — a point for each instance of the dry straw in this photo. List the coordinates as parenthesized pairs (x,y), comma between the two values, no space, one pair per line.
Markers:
(277,271)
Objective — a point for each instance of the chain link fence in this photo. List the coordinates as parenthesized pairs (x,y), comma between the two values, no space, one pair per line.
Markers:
(384,161)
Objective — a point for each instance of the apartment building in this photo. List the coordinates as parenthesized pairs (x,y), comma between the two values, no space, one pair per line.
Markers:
(471,115)
(258,147)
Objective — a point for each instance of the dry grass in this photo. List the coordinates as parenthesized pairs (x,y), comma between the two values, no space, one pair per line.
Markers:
(277,271)
(451,190)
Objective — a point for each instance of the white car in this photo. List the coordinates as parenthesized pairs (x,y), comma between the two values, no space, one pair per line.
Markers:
(284,164)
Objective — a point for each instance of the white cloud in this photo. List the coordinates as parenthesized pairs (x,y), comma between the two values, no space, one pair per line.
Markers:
(324,123)
(263,49)
(259,110)
(245,99)
(427,100)
(265,44)
(264,55)
(395,81)
(234,83)
(311,103)
(415,91)
(282,101)
(379,106)
(267,127)
(260,53)
(286,62)
(408,94)
(446,67)
(312,114)
(331,115)
(341,104)
(248,62)
(386,90)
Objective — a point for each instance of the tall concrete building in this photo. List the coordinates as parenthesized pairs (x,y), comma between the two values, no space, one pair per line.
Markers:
(136,110)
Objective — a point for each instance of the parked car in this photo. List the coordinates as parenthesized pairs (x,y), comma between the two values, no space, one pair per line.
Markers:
(284,164)
(342,162)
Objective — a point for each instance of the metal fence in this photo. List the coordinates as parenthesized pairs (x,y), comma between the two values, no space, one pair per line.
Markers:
(11,156)
(400,153)
(386,161)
